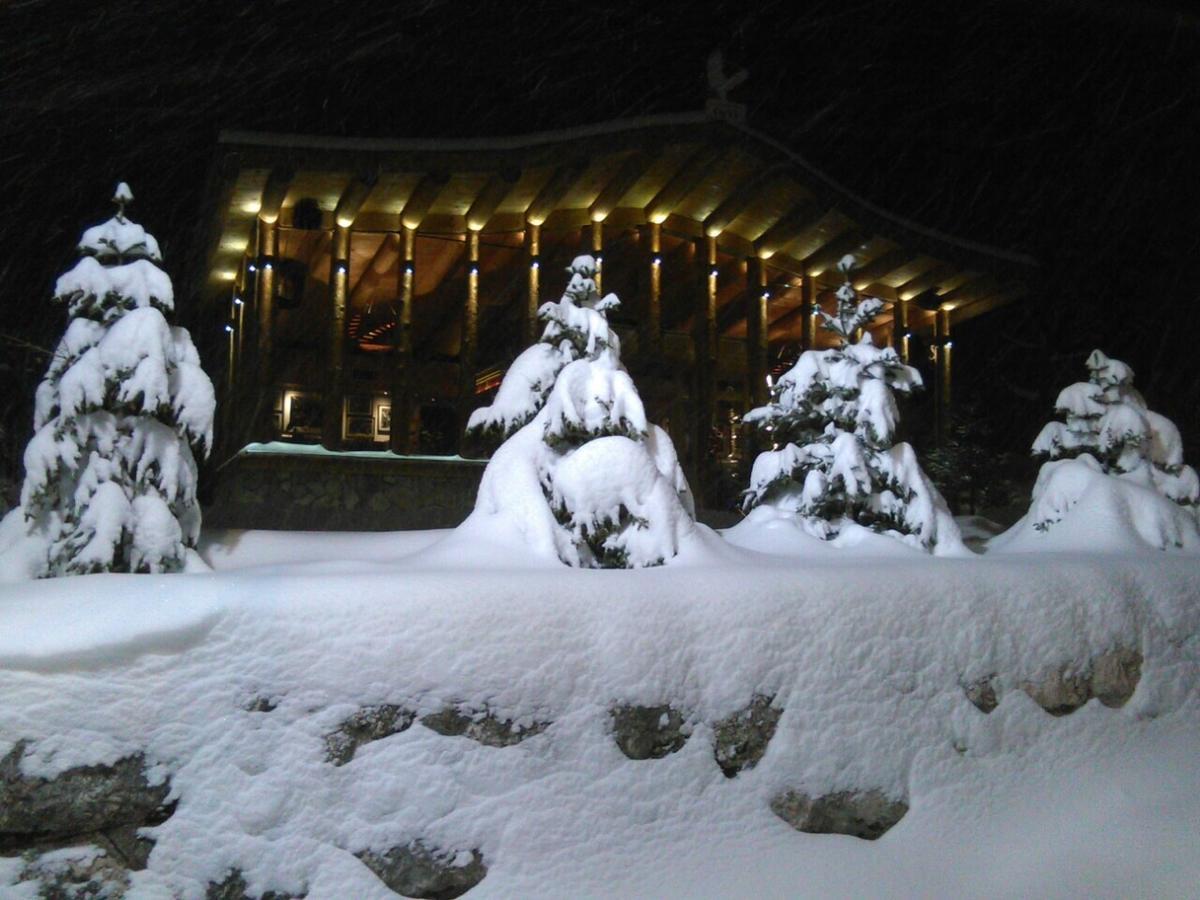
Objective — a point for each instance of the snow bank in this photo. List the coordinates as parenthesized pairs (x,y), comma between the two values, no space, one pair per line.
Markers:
(867,662)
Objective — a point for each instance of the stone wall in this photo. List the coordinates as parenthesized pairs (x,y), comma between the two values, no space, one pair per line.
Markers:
(320,492)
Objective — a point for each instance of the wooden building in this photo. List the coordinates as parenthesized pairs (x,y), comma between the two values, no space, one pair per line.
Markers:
(377,289)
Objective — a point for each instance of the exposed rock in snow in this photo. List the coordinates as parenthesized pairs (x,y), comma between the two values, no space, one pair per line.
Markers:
(1060,691)
(414,870)
(486,728)
(371,723)
(234,887)
(73,873)
(982,693)
(861,814)
(741,739)
(1115,676)
(86,804)
(649,732)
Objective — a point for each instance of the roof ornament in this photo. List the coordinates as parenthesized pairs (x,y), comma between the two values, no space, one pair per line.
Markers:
(719,105)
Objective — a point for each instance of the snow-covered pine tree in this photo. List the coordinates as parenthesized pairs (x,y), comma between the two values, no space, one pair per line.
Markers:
(582,474)
(832,419)
(110,473)
(576,327)
(1106,419)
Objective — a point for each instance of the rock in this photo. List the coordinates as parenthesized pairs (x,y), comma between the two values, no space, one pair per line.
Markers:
(261,704)
(417,871)
(77,873)
(371,723)
(1060,693)
(88,804)
(740,740)
(233,887)
(648,732)
(482,727)
(982,693)
(1115,676)
(861,814)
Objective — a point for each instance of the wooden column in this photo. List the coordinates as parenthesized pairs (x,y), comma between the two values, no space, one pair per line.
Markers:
(400,439)
(335,380)
(598,254)
(942,345)
(756,329)
(706,353)
(264,301)
(469,337)
(808,317)
(900,328)
(533,252)
(653,337)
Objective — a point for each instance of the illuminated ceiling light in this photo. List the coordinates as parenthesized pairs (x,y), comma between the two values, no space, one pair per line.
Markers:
(658,218)
(475,226)
(536,221)
(236,244)
(252,207)
(765,253)
(861,286)
(345,221)
(599,215)
(907,295)
(227,275)
(948,307)
(713,232)
(237,301)
(816,273)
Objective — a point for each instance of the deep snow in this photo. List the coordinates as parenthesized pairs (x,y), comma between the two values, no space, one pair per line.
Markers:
(866,653)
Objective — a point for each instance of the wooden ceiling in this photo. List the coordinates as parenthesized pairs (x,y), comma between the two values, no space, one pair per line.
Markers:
(693,174)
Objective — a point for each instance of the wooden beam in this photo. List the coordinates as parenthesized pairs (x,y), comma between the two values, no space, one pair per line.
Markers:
(533,252)
(757,297)
(882,266)
(927,281)
(652,241)
(738,202)
(697,167)
(969,290)
(339,279)
(828,255)
(489,198)
(631,169)
(423,196)
(469,337)
(352,199)
(552,192)
(793,224)
(383,261)
(274,192)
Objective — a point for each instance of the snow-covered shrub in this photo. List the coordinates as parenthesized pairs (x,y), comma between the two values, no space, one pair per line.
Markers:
(110,473)
(831,420)
(1116,459)
(582,475)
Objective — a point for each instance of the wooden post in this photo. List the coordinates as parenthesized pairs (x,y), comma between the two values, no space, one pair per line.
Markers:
(808,315)
(598,254)
(943,346)
(400,439)
(756,329)
(533,251)
(653,337)
(706,353)
(900,330)
(335,382)
(470,331)
(264,299)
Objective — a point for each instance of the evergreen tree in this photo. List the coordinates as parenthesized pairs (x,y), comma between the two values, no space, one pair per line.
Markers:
(1107,419)
(831,420)
(110,473)
(582,473)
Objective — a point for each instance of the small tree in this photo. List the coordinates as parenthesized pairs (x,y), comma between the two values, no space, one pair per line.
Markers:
(581,472)
(1107,419)
(831,420)
(110,473)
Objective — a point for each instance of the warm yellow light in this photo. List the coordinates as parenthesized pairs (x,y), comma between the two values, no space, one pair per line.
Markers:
(344,221)
(907,295)
(536,221)
(236,244)
(227,275)
(815,273)
(713,232)
(475,226)
(658,218)
(861,286)
(765,254)
(270,220)
(947,307)
(252,207)
(599,215)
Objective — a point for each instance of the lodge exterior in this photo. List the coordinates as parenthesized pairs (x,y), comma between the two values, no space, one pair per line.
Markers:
(377,289)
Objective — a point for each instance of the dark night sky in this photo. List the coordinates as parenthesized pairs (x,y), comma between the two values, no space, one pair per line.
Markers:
(1068,130)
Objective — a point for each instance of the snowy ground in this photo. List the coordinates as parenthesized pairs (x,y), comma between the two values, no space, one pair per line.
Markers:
(865,651)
